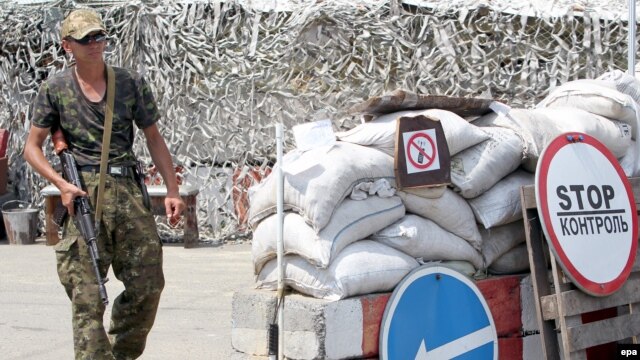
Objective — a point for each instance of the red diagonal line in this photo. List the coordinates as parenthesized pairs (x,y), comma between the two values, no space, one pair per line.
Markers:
(420,150)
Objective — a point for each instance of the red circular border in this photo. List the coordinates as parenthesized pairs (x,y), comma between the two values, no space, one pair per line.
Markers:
(590,287)
(433,146)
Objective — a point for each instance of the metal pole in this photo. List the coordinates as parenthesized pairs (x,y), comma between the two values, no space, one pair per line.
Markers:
(631,67)
(279,239)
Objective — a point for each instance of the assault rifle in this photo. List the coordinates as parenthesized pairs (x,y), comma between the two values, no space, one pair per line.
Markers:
(82,207)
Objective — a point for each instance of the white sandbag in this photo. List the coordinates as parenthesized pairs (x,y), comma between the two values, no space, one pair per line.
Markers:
(499,240)
(542,125)
(547,124)
(316,181)
(630,163)
(501,204)
(629,85)
(450,211)
(596,98)
(353,220)
(478,168)
(380,132)
(363,267)
(424,239)
(623,82)
(514,261)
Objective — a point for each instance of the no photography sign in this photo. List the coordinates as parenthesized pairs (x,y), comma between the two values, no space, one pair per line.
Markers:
(588,212)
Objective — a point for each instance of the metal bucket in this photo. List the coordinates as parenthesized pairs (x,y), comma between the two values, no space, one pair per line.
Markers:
(20,222)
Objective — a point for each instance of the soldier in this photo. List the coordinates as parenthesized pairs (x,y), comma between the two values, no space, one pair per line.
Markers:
(74,101)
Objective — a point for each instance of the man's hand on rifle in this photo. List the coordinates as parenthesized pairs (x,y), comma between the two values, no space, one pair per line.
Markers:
(68,193)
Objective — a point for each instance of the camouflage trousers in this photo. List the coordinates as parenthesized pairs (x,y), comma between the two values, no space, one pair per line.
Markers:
(127,241)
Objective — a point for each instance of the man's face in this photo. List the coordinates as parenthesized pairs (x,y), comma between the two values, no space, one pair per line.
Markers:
(89,48)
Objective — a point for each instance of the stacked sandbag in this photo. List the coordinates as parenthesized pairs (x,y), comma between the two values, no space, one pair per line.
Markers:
(316,181)
(498,241)
(353,220)
(423,239)
(540,126)
(612,96)
(449,211)
(341,209)
(363,267)
(501,203)
(380,132)
(476,169)
(323,221)
(348,231)
(605,108)
(630,86)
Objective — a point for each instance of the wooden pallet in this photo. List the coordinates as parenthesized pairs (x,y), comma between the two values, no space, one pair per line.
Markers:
(562,318)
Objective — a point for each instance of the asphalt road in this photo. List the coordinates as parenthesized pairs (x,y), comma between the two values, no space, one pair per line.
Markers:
(193,322)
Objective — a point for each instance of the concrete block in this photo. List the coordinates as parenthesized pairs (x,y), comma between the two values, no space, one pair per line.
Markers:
(532,347)
(529,316)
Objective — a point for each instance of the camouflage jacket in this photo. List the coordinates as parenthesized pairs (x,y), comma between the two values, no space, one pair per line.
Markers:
(61,103)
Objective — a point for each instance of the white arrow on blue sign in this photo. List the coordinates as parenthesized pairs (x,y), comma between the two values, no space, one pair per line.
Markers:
(437,313)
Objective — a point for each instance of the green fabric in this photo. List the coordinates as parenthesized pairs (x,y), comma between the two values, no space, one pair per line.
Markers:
(61,103)
(129,242)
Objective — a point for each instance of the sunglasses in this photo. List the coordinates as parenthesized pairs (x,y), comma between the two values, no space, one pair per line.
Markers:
(87,39)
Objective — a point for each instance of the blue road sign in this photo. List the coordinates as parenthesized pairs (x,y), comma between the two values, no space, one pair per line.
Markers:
(437,313)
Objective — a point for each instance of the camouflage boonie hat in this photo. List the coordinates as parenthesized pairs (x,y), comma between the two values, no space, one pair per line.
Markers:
(80,23)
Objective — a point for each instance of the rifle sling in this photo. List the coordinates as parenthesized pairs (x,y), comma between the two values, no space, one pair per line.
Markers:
(106,141)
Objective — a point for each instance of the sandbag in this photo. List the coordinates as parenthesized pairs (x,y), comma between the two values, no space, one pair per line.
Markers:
(629,85)
(353,220)
(501,204)
(380,133)
(597,98)
(514,261)
(623,82)
(423,239)
(630,162)
(542,125)
(499,240)
(477,169)
(316,181)
(450,211)
(363,267)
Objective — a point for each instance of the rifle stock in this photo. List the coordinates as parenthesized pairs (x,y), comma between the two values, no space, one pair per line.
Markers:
(82,207)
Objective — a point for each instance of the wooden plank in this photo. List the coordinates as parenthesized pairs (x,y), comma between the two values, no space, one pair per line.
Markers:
(629,309)
(577,302)
(635,186)
(564,335)
(539,277)
(579,355)
(603,331)
(528,197)
(400,100)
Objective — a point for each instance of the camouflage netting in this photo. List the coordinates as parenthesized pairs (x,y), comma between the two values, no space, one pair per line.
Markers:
(225,72)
